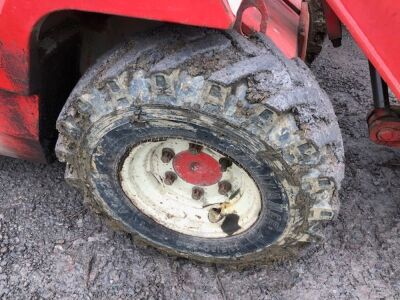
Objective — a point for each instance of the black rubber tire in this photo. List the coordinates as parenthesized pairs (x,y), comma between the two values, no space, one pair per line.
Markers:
(222,90)
(317,33)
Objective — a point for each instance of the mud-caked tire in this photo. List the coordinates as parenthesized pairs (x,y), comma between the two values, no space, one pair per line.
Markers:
(238,98)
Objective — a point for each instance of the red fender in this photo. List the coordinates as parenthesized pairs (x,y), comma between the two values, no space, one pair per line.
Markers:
(19,115)
(19,17)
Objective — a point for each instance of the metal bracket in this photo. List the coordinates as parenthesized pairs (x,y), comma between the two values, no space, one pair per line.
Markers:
(384,120)
(384,126)
(333,25)
(260,5)
(304,29)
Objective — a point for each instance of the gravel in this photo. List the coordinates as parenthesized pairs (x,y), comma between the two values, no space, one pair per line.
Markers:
(52,247)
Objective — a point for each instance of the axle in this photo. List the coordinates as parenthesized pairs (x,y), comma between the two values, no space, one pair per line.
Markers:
(384,120)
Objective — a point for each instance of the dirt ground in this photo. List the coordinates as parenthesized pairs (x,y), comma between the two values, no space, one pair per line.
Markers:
(52,247)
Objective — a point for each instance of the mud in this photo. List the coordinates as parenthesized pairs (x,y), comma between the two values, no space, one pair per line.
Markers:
(52,247)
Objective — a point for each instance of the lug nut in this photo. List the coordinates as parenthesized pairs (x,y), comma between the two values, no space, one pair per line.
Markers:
(195,148)
(225,163)
(224,187)
(170,178)
(197,193)
(166,155)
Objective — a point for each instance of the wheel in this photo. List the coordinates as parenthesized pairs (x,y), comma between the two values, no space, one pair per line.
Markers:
(317,31)
(204,144)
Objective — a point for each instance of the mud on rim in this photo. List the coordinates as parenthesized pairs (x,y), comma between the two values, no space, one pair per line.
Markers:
(190,188)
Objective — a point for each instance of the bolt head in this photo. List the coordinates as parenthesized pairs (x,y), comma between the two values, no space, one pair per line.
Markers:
(225,163)
(197,193)
(170,178)
(167,155)
(224,187)
(195,148)
(386,135)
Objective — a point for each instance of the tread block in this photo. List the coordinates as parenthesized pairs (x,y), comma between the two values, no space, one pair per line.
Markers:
(214,42)
(244,68)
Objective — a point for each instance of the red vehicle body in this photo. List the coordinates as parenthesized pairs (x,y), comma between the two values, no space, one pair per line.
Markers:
(372,25)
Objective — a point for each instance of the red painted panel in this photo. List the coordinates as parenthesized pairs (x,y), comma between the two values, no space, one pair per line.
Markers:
(375,25)
(19,129)
(296,3)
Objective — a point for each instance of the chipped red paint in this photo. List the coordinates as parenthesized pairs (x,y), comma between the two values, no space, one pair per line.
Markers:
(19,129)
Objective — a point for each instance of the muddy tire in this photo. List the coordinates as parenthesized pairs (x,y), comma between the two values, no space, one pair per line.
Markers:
(317,31)
(232,98)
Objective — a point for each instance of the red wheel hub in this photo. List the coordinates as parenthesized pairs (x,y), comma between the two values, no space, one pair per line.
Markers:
(198,169)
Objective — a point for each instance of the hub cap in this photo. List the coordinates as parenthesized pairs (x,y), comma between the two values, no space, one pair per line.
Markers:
(190,188)
(198,169)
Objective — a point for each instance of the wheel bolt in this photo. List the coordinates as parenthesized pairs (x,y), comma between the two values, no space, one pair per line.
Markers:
(225,163)
(166,155)
(224,187)
(195,148)
(197,193)
(170,178)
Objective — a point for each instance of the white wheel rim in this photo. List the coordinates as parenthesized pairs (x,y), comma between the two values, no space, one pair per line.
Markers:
(143,180)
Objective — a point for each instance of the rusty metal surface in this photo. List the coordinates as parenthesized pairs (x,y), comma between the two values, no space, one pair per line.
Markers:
(384,126)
